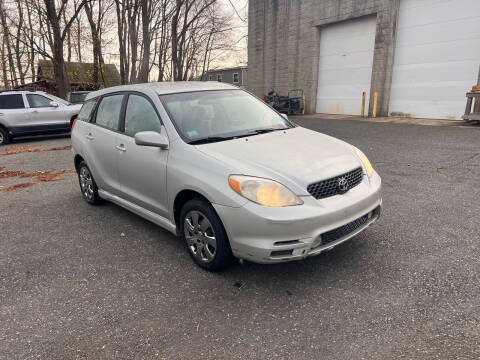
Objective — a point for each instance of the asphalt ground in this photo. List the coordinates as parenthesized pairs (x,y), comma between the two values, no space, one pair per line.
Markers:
(84,282)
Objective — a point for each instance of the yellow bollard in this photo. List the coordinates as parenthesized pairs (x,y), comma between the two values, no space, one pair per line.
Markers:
(375,103)
(364,98)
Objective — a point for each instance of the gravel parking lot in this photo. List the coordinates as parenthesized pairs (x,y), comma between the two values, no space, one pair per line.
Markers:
(78,281)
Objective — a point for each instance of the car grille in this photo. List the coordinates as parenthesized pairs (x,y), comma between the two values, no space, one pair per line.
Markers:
(329,187)
(344,230)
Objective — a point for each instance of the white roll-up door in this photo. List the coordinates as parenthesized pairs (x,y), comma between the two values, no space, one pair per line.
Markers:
(437,57)
(345,65)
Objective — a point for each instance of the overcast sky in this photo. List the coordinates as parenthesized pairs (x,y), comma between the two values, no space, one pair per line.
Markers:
(238,10)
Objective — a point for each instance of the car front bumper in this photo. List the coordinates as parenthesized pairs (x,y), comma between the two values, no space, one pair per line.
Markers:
(272,235)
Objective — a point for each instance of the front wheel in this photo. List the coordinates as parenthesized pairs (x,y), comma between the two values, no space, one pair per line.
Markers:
(204,236)
(87,184)
(4,137)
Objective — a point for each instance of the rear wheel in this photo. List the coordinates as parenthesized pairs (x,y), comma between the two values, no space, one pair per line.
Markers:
(204,236)
(4,137)
(87,184)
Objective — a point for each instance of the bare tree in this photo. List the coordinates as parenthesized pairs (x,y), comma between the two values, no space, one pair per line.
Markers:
(8,45)
(185,14)
(58,33)
(178,38)
(96,30)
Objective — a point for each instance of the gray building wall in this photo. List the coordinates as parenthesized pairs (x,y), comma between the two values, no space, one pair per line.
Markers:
(284,39)
(227,76)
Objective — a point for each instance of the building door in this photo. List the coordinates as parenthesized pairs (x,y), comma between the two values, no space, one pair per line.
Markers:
(436,57)
(345,65)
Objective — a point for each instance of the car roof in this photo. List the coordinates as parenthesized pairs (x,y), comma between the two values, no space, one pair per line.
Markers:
(11,92)
(162,88)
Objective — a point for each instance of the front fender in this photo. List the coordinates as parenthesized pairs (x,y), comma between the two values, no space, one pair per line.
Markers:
(190,169)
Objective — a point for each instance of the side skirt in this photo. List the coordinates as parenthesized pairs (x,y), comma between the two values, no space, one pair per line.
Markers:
(147,214)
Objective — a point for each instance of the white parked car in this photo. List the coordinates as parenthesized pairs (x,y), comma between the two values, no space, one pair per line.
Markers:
(219,167)
(25,113)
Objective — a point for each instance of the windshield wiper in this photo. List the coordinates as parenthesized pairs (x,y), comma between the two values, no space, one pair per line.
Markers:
(211,139)
(265,131)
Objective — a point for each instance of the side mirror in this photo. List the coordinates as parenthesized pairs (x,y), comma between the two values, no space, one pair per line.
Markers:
(53,104)
(285,116)
(151,138)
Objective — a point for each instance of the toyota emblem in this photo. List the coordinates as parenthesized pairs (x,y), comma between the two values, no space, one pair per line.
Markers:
(342,185)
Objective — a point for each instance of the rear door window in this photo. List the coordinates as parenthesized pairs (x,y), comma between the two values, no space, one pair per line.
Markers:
(108,112)
(14,101)
(86,111)
(38,101)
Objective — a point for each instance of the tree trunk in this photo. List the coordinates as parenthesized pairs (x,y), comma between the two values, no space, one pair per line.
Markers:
(61,79)
(133,34)
(79,42)
(96,43)
(6,85)
(32,42)
(121,41)
(18,54)
(145,63)
(6,35)
(175,40)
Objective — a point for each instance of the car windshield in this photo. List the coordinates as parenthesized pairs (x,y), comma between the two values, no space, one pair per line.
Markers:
(207,116)
(78,97)
(60,100)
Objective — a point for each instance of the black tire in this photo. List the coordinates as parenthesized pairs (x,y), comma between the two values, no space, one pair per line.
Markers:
(4,136)
(88,187)
(222,256)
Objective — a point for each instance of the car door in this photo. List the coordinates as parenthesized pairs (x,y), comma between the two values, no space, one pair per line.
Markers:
(43,115)
(13,114)
(142,169)
(102,137)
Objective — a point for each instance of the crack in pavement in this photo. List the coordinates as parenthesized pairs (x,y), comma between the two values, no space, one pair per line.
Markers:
(458,163)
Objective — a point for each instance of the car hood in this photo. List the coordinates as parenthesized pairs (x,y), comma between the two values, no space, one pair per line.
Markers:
(295,157)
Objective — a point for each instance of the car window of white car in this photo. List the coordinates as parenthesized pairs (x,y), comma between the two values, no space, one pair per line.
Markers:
(108,113)
(38,101)
(14,101)
(140,115)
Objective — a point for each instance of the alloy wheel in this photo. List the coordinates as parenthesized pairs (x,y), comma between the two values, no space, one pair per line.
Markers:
(86,183)
(200,236)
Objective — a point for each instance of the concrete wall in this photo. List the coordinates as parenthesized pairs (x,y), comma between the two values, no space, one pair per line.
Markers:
(284,39)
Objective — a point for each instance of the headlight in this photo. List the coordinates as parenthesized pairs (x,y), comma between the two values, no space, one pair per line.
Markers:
(366,163)
(263,191)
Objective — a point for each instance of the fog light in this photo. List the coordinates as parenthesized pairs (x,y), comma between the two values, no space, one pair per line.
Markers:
(281,253)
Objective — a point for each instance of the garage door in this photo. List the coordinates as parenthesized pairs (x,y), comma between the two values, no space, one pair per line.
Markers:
(345,65)
(437,57)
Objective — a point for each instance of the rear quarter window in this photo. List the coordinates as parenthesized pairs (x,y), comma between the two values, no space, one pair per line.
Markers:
(13,101)
(86,111)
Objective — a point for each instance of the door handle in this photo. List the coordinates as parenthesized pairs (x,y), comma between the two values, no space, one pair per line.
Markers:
(89,136)
(35,111)
(121,147)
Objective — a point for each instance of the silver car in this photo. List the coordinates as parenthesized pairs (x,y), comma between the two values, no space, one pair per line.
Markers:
(220,168)
(25,113)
